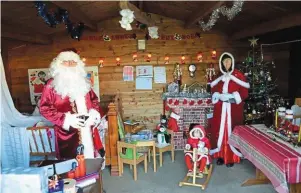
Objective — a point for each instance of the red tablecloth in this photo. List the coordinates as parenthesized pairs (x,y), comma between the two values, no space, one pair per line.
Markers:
(279,161)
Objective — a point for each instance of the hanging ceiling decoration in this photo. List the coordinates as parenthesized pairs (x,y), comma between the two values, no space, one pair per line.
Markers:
(229,13)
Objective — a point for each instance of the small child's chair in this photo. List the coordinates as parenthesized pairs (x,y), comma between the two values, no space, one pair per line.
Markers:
(131,157)
(169,147)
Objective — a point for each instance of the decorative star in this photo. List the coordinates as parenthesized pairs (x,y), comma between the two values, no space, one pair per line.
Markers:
(253,41)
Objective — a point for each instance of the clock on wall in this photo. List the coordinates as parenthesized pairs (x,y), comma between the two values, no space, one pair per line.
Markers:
(191,69)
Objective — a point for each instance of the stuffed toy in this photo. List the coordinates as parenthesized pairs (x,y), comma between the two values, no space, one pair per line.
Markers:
(173,122)
(163,120)
(163,138)
(197,139)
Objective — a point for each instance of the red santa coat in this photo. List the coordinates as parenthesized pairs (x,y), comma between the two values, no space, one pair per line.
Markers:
(53,108)
(227,115)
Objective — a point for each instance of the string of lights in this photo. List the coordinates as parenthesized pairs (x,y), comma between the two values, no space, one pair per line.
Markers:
(148,57)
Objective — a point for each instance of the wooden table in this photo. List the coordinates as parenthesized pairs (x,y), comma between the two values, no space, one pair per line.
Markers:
(149,143)
(276,162)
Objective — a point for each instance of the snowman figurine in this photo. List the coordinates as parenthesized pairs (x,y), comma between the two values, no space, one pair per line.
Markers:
(162,135)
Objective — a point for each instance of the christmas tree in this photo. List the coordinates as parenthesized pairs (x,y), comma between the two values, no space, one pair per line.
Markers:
(263,99)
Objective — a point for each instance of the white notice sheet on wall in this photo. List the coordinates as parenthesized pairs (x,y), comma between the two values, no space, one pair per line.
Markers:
(159,75)
(144,71)
(144,83)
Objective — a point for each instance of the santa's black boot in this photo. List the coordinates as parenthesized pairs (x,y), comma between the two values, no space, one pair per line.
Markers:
(220,161)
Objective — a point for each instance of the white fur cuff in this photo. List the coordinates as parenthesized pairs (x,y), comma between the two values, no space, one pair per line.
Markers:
(215,97)
(67,121)
(237,97)
(175,116)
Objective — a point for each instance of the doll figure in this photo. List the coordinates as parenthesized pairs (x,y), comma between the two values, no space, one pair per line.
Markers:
(197,139)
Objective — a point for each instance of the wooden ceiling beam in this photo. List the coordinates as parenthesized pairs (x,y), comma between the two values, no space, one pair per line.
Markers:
(76,13)
(269,26)
(18,33)
(139,15)
(204,11)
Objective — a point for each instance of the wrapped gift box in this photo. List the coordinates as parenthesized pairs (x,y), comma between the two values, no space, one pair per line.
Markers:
(25,180)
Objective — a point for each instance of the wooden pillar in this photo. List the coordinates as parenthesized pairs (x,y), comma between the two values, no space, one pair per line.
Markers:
(113,138)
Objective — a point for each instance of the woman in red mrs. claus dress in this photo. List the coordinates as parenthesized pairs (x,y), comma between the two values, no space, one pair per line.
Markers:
(65,98)
(229,91)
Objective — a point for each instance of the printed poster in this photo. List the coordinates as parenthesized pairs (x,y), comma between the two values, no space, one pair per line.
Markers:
(39,77)
(145,71)
(128,73)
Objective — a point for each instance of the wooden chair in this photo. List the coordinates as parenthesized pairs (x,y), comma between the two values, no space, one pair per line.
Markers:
(132,162)
(169,147)
(41,143)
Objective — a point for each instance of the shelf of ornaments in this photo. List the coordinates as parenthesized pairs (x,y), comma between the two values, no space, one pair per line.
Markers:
(194,91)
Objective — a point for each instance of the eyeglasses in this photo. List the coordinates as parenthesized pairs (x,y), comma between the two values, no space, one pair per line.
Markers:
(69,63)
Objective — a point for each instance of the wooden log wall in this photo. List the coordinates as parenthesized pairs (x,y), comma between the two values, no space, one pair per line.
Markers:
(136,104)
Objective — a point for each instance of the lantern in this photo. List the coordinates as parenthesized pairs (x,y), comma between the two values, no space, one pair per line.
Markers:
(166,60)
(135,57)
(213,54)
(149,56)
(183,59)
(200,57)
(118,61)
(100,62)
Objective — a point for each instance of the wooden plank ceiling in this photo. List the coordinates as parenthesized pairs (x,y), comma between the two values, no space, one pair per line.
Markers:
(21,22)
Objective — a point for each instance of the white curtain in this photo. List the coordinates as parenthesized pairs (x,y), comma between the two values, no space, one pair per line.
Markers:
(14,143)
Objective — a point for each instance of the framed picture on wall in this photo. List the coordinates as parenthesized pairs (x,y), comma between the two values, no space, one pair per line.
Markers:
(38,78)
(141,44)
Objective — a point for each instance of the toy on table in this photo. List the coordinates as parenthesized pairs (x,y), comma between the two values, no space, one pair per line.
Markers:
(197,157)
(163,120)
(163,138)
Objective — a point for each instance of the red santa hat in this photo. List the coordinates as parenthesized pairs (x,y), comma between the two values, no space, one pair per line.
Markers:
(201,130)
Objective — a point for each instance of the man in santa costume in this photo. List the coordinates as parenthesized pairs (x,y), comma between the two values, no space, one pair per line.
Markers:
(229,91)
(67,100)
(197,139)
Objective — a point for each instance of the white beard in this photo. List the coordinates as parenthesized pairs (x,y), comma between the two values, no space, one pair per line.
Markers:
(70,81)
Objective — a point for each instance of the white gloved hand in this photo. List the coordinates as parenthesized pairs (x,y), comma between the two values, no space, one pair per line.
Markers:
(187,147)
(215,97)
(72,120)
(94,118)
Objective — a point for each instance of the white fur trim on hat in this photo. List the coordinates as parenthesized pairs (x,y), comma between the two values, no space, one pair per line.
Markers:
(281,109)
(200,128)
(221,62)
(68,55)
(175,116)
(237,97)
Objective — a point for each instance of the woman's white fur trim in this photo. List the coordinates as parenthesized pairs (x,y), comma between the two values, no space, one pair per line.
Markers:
(221,62)
(237,97)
